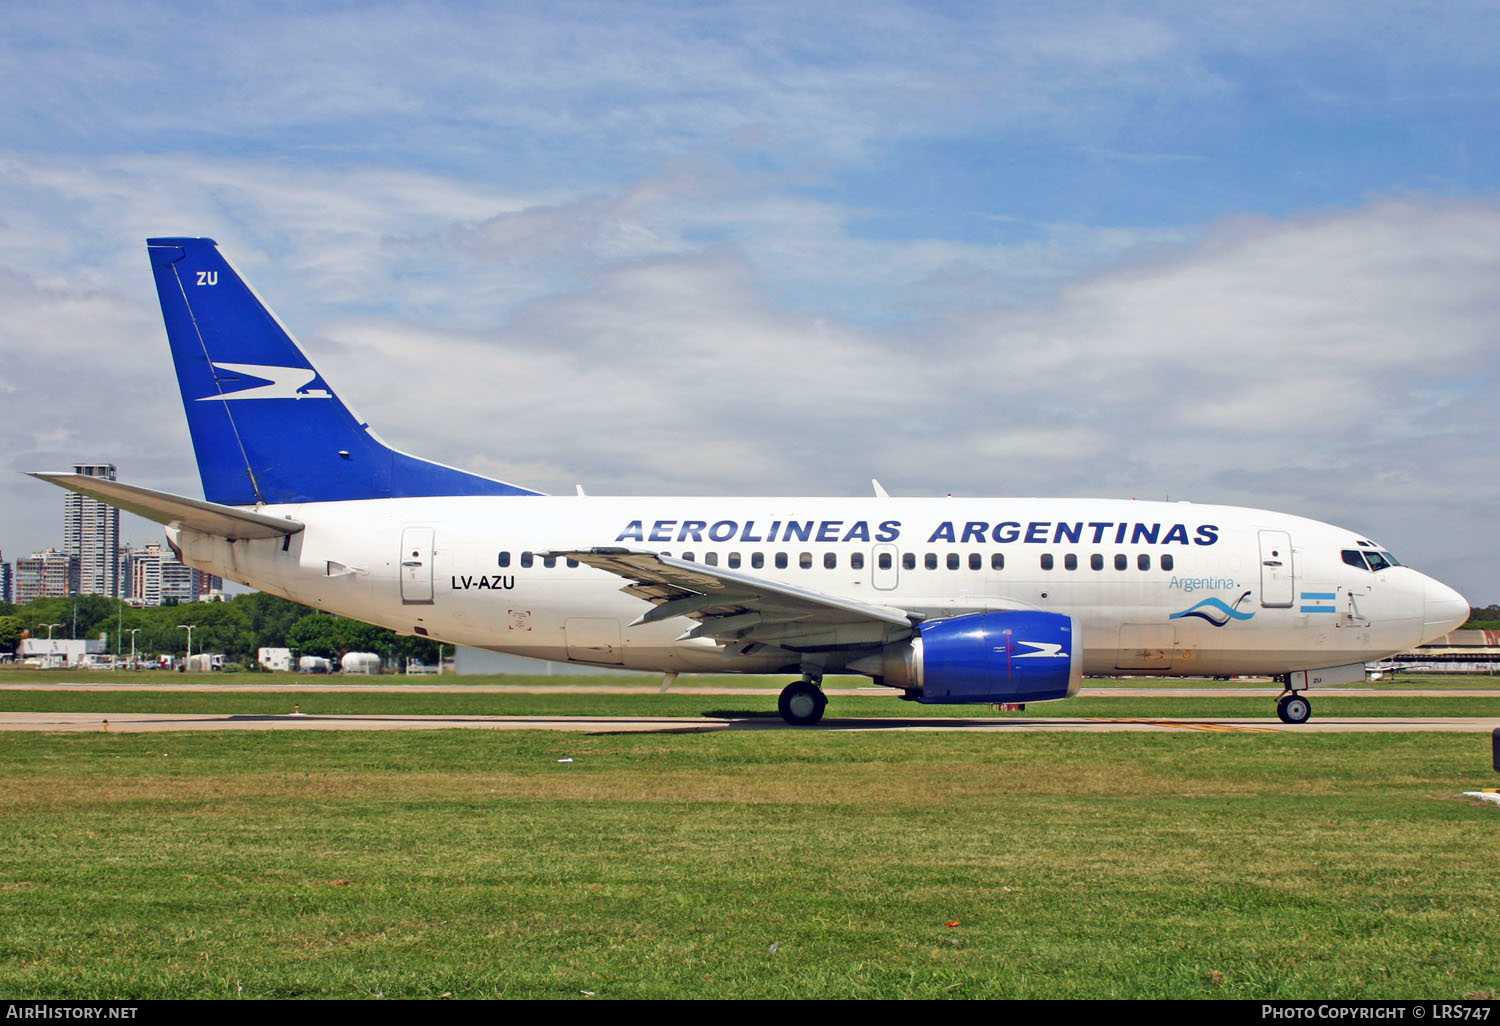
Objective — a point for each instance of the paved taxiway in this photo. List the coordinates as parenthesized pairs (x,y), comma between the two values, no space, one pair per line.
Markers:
(131,723)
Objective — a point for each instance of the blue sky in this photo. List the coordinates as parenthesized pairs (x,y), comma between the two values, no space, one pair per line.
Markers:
(1241,254)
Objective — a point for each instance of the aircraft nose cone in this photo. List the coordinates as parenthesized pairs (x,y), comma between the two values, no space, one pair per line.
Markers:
(1444,610)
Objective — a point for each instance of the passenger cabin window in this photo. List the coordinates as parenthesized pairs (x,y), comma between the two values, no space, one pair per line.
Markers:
(976,561)
(505,559)
(526,559)
(857,561)
(572,562)
(953,561)
(930,561)
(1070,562)
(997,561)
(757,560)
(689,557)
(909,561)
(1166,562)
(711,558)
(1046,561)
(781,560)
(1121,562)
(1096,562)
(885,561)
(549,562)
(805,561)
(830,561)
(1143,562)
(734,561)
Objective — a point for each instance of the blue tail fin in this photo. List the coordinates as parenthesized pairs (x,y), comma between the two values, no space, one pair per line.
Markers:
(266,427)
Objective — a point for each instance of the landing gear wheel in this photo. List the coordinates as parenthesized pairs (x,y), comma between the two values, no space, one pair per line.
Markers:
(802,704)
(1294,708)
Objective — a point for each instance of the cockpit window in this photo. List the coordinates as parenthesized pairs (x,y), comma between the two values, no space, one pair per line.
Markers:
(1370,559)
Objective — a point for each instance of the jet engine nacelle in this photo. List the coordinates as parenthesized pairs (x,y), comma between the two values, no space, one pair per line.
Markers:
(1010,656)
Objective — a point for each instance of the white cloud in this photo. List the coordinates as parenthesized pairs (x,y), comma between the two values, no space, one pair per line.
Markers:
(610,243)
(1330,364)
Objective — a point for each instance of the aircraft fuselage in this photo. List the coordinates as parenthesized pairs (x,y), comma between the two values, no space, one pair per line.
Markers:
(1160,588)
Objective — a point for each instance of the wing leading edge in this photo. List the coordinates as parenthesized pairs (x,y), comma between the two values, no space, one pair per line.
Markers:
(738,607)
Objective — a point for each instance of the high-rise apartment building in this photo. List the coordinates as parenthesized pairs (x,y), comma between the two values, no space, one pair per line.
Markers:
(141,574)
(91,531)
(44,574)
(152,576)
(7,587)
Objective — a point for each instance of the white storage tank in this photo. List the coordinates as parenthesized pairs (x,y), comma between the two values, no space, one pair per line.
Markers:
(314,664)
(361,662)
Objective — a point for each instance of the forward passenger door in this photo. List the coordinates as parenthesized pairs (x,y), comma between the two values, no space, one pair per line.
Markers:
(1275,569)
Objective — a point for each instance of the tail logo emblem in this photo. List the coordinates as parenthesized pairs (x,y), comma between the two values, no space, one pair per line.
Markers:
(282,383)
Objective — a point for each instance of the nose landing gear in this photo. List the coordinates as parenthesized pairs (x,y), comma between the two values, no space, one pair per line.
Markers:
(802,702)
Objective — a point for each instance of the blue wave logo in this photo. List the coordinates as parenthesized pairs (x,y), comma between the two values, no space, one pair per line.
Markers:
(1216,611)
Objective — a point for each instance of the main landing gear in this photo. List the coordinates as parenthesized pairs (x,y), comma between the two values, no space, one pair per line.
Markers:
(1293,707)
(802,702)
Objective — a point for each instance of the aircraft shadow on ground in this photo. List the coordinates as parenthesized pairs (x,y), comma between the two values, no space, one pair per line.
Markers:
(737,719)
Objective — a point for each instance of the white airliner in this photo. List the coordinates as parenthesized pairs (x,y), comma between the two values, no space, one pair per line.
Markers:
(950,600)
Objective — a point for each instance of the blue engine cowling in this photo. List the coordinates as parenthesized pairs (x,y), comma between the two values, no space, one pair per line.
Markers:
(1011,656)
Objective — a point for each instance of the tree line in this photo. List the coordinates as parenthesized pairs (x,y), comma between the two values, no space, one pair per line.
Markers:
(1486,618)
(242,624)
(237,627)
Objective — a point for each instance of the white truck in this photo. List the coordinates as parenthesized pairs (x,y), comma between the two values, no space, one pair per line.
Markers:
(279,659)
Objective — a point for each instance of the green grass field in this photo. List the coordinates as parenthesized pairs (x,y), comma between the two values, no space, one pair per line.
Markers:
(286,864)
(416,864)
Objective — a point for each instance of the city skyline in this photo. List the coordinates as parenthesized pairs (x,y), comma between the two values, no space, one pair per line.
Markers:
(93,560)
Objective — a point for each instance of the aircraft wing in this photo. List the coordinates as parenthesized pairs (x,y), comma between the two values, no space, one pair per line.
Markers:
(734,606)
(166,508)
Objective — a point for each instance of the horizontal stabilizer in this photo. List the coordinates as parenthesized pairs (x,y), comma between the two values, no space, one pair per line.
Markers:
(166,508)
